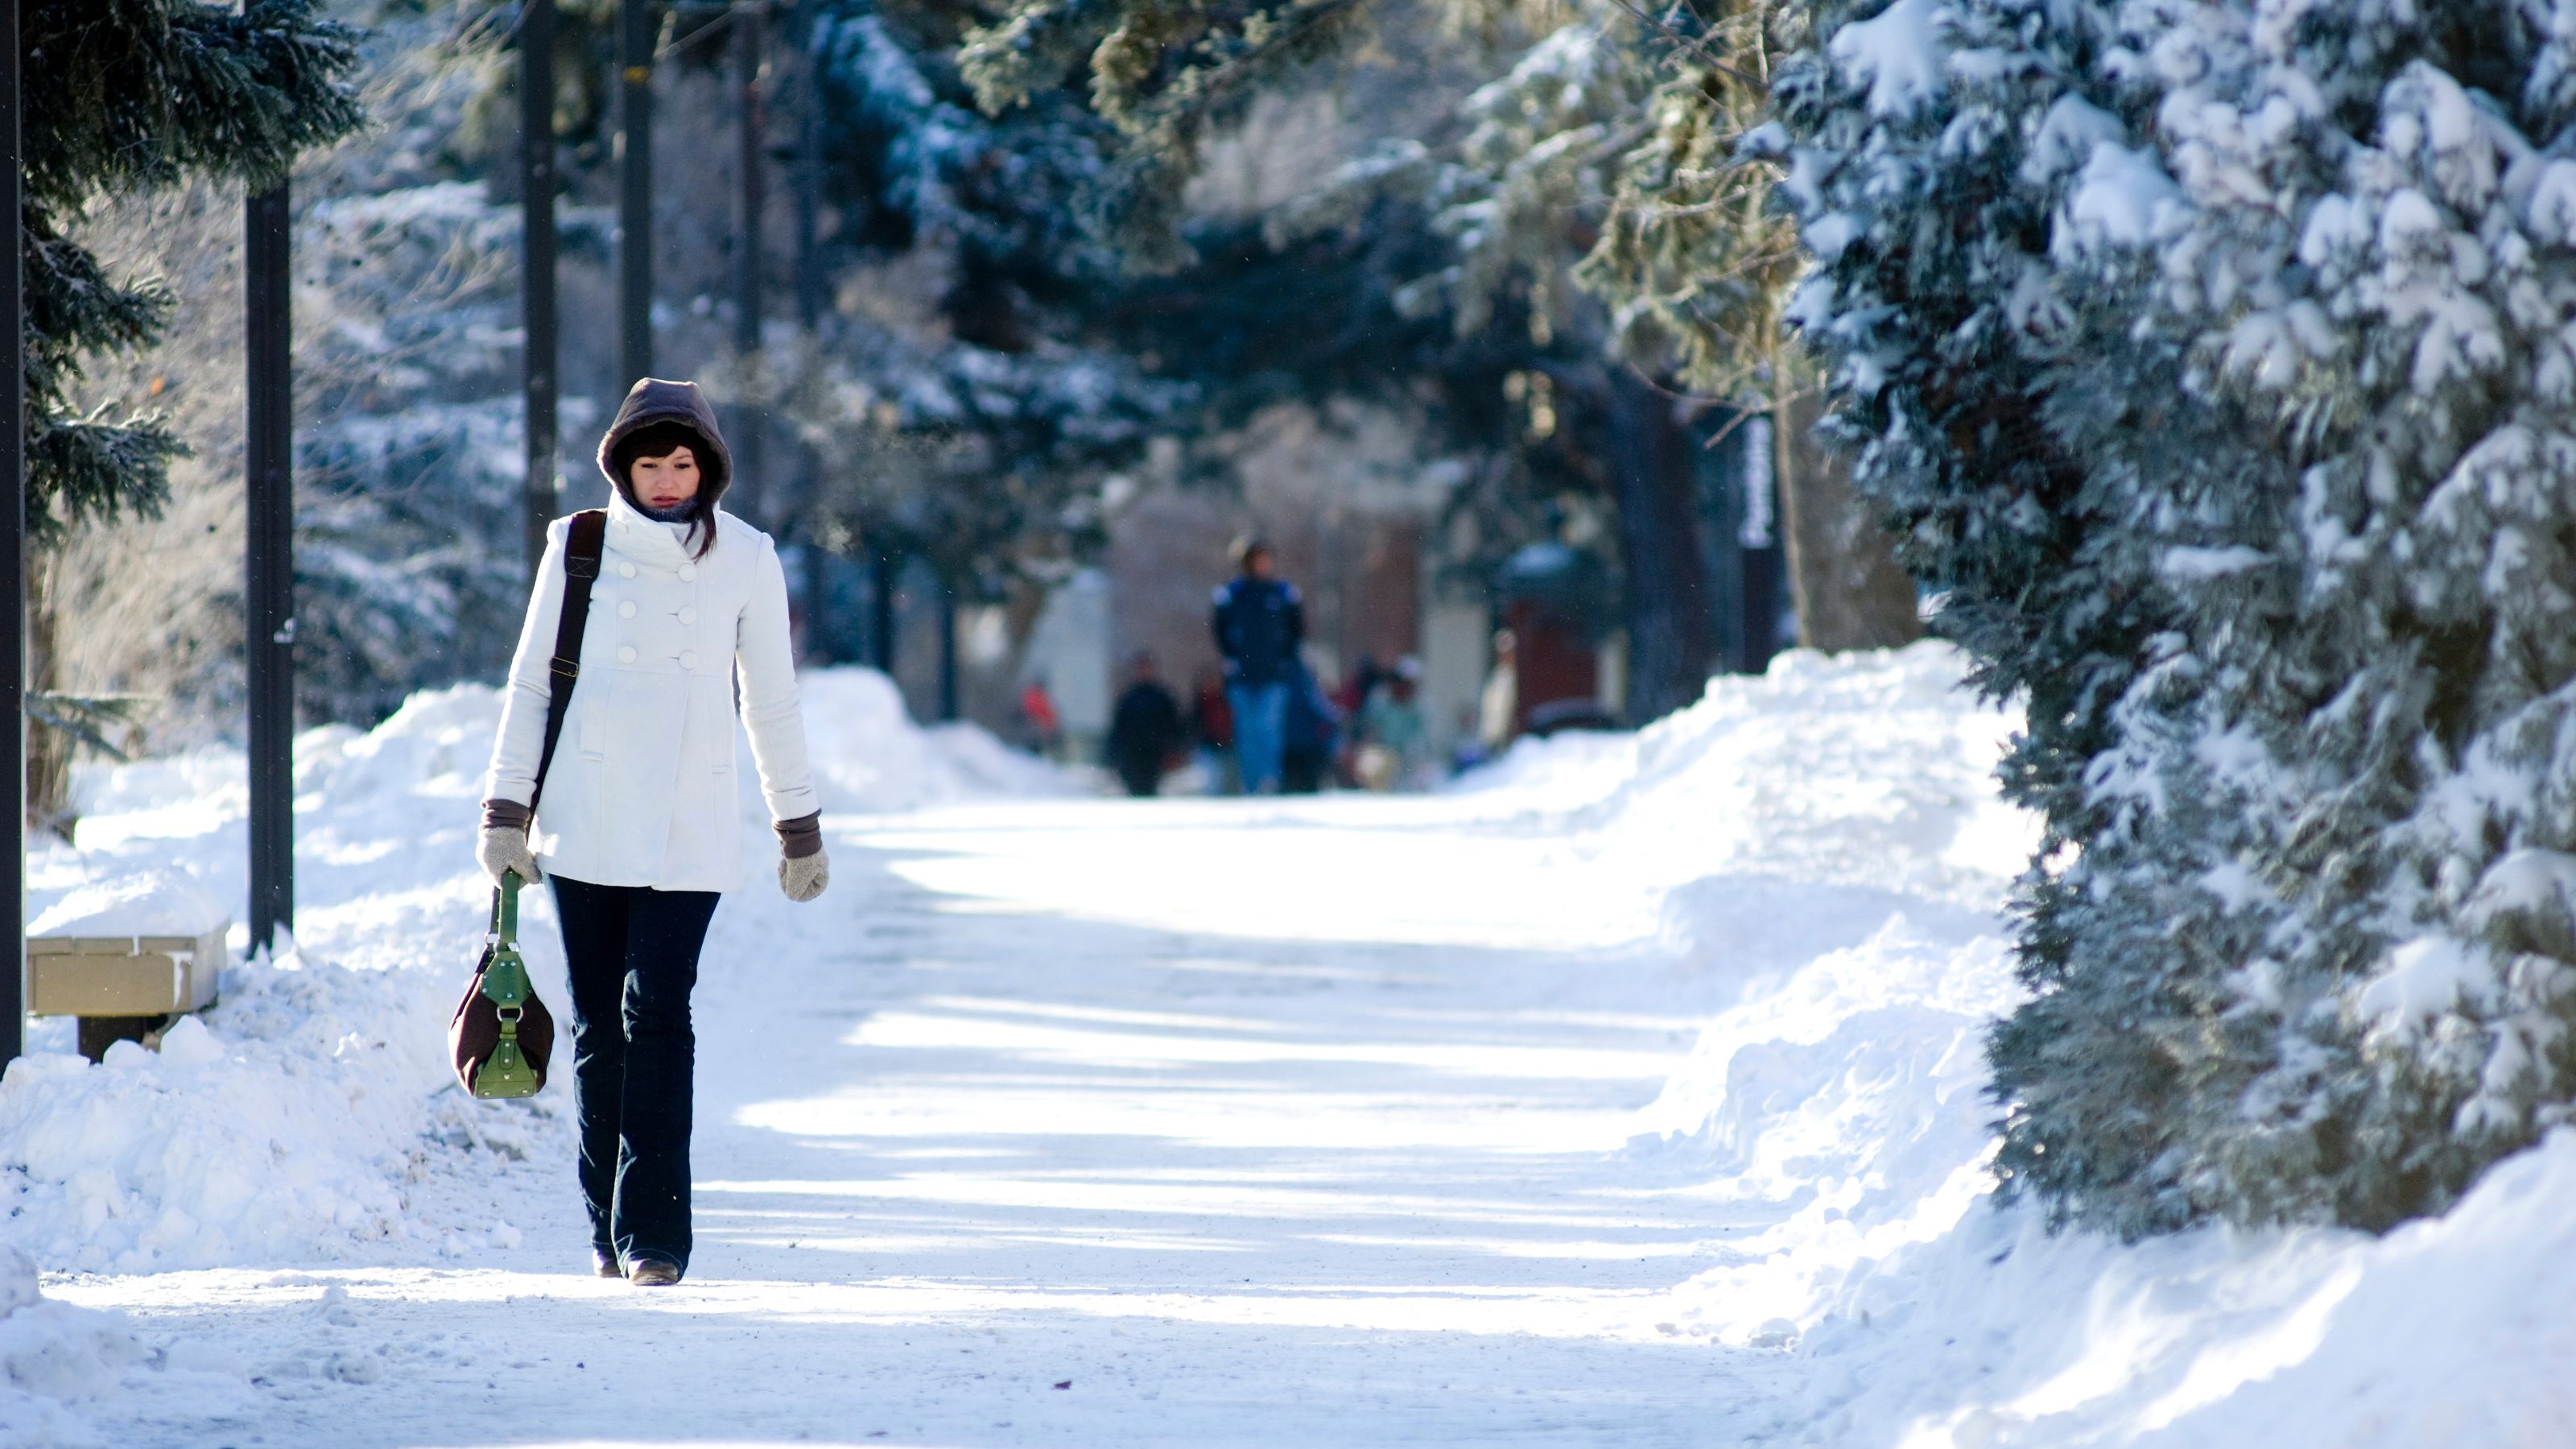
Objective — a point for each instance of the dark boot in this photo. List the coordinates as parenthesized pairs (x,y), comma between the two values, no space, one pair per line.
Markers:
(604,1263)
(653,1273)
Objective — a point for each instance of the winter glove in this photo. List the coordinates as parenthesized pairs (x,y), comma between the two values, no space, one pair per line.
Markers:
(503,845)
(803,877)
(803,870)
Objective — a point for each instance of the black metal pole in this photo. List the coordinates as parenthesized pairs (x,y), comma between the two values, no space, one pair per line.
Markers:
(749,40)
(13,554)
(821,642)
(634,191)
(809,178)
(537,263)
(947,652)
(269,582)
(881,576)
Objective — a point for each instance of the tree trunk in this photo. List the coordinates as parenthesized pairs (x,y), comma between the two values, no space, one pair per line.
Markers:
(49,750)
(1843,576)
(1672,630)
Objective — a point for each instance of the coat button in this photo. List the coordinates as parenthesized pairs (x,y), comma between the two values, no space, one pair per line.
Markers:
(688,616)
(626,654)
(626,571)
(626,610)
(688,572)
(688,659)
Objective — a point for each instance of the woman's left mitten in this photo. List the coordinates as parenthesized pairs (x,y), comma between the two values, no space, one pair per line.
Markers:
(505,848)
(803,877)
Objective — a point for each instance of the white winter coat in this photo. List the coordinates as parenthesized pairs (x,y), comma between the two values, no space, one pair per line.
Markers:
(641,792)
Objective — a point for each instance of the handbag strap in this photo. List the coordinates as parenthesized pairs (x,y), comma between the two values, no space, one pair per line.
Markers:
(504,929)
(589,535)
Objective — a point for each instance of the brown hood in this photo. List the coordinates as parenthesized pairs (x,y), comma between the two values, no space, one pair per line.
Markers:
(656,401)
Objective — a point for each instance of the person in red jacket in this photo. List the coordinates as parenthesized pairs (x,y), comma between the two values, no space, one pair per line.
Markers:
(1037,712)
(1212,723)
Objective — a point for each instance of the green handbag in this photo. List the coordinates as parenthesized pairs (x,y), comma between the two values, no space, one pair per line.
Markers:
(502,1036)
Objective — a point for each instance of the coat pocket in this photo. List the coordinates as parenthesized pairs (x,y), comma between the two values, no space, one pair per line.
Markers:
(589,725)
(711,725)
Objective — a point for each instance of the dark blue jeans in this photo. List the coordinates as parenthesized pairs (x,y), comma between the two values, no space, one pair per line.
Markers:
(632,955)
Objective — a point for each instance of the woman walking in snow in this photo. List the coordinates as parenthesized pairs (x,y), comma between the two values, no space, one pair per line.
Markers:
(640,827)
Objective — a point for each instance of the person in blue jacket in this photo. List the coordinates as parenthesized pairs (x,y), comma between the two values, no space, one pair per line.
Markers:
(1260,625)
(1314,724)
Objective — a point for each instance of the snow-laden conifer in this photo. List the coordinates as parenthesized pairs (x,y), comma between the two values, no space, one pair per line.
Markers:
(120,99)
(2218,359)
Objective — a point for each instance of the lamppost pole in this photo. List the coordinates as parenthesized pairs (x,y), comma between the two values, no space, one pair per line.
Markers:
(269,574)
(820,640)
(749,41)
(634,190)
(537,264)
(13,552)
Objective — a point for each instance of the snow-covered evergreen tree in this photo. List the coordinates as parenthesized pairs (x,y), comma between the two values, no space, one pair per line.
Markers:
(129,98)
(121,101)
(408,458)
(2217,356)
(976,432)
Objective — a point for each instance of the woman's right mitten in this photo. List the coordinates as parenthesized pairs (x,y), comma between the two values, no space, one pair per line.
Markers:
(803,877)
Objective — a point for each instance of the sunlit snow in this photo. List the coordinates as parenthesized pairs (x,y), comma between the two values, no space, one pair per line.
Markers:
(1631,1092)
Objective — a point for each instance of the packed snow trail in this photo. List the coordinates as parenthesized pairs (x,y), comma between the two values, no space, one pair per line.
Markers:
(1631,1094)
(954,1151)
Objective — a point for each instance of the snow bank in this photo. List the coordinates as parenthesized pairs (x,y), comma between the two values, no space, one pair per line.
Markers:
(869,757)
(56,1358)
(1865,771)
(1835,859)
(309,1115)
(146,903)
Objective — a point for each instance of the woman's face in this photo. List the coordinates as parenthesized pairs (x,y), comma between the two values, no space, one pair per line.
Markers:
(666,482)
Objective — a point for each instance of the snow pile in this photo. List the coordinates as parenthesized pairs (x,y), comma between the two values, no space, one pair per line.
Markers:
(1863,771)
(1831,860)
(55,1358)
(869,757)
(147,903)
(288,1122)
(310,1115)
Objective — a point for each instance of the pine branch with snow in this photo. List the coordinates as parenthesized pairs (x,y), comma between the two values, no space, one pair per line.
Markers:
(2216,358)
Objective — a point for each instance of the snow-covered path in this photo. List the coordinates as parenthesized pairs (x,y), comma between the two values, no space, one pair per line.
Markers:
(1631,1094)
(1079,1093)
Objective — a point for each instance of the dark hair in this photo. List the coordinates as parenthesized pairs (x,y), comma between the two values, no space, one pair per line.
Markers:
(661,440)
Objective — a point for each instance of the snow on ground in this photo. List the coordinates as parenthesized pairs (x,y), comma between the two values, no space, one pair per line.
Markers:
(869,757)
(1627,1093)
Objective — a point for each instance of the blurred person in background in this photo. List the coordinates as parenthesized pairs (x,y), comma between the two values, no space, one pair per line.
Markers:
(1313,725)
(1368,680)
(1145,730)
(1365,680)
(1396,753)
(1468,751)
(1498,715)
(1260,624)
(1039,722)
(1212,726)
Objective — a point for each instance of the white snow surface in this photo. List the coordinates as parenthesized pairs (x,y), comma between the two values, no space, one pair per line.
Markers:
(162,902)
(1629,1092)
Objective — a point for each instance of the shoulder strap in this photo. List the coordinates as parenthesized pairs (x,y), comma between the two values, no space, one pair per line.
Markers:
(581,569)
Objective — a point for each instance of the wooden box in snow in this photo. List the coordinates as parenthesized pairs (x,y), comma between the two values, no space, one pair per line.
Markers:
(145,945)
(123,975)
